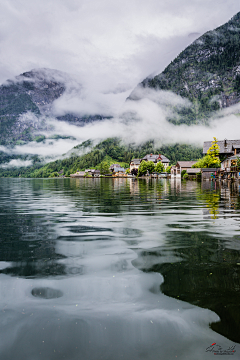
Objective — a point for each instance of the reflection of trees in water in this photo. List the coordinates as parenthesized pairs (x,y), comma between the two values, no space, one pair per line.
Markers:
(209,193)
(216,195)
(201,271)
(114,195)
(212,200)
(26,243)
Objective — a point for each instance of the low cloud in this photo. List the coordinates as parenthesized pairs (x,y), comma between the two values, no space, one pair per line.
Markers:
(16,163)
(138,121)
(102,44)
(147,118)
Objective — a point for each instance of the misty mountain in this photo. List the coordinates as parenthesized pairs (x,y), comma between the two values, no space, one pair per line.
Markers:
(110,151)
(207,73)
(27,101)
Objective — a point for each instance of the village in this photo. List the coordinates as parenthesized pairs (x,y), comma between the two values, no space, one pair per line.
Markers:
(158,165)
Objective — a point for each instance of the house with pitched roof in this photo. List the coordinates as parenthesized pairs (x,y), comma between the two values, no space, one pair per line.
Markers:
(227,147)
(156,158)
(180,166)
(134,164)
(116,168)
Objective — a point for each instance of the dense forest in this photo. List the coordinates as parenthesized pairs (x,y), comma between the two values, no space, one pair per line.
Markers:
(111,151)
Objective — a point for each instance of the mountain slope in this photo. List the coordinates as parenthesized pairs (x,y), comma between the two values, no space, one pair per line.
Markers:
(111,151)
(27,100)
(207,73)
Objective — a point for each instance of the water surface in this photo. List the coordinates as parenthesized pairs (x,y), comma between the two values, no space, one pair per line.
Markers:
(118,269)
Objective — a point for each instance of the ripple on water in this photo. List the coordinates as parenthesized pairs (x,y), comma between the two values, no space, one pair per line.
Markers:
(46,293)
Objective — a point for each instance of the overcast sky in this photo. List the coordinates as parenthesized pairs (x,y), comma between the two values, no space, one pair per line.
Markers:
(108,45)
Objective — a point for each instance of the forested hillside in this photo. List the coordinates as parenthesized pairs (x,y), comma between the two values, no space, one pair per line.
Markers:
(110,151)
(207,73)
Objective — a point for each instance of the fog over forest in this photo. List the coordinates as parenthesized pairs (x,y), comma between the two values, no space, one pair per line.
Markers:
(109,49)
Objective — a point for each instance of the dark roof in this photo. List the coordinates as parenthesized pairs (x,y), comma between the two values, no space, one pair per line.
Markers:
(210,169)
(117,169)
(226,146)
(150,157)
(164,158)
(114,166)
(155,158)
(136,161)
(92,171)
(186,164)
(193,170)
(233,157)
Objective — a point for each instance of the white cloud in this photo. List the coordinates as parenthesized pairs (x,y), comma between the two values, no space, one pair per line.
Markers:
(102,43)
(138,121)
(108,48)
(16,163)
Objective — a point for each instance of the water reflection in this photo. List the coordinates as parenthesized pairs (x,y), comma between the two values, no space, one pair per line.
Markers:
(46,293)
(211,198)
(199,269)
(114,268)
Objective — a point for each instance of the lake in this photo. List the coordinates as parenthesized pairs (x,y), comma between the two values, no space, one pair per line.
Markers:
(119,269)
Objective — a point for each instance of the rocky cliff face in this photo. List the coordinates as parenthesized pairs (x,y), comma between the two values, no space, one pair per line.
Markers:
(27,101)
(207,73)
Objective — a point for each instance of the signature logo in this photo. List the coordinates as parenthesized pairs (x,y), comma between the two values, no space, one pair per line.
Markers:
(218,350)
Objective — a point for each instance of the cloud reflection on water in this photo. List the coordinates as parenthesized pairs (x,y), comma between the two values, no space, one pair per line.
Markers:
(114,307)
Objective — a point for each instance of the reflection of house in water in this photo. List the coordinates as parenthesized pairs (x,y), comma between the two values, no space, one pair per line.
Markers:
(176,183)
(119,184)
(230,195)
(134,186)
(151,189)
(220,197)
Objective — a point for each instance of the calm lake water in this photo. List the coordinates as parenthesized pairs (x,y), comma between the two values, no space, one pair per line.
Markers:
(118,269)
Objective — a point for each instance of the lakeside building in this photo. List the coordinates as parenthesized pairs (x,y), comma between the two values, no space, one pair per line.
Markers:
(229,168)
(209,173)
(134,164)
(91,172)
(78,174)
(180,166)
(227,147)
(156,158)
(230,152)
(116,168)
(193,171)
